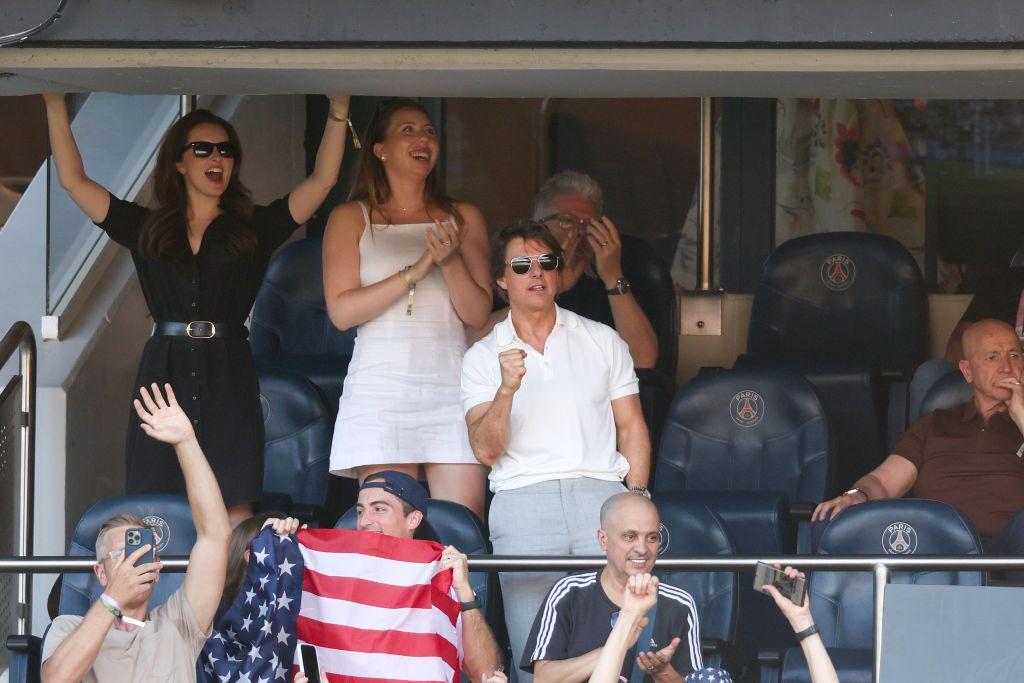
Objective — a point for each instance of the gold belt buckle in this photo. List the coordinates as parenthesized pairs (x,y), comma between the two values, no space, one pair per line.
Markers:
(199,335)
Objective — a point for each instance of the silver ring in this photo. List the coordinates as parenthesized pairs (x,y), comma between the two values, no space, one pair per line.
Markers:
(604,244)
(445,242)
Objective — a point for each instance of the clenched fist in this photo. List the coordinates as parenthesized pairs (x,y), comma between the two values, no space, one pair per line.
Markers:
(513,368)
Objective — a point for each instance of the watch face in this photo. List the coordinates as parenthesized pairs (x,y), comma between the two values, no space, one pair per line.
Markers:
(623,285)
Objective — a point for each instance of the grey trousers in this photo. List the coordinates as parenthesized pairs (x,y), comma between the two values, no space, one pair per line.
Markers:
(558,517)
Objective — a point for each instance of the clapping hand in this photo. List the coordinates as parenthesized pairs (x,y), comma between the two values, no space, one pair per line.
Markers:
(443,241)
(164,420)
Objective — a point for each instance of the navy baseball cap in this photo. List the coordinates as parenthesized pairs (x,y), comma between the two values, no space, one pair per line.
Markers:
(402,485)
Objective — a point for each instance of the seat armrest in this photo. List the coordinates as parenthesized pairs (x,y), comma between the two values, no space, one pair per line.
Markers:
(26,644)
(771,656)
(731,657)
(801,511)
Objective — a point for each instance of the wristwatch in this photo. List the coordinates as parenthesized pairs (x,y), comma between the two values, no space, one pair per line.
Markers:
(642,490)
(622,286)
(807,632)
(857,490)
(472,604)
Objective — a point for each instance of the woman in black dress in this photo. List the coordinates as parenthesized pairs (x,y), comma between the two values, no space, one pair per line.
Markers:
(200,257)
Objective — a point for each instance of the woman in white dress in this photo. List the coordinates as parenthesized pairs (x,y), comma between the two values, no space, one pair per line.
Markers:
(409,266)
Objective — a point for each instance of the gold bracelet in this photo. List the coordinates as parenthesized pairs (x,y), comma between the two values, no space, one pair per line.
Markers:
(345,119)
(412,289)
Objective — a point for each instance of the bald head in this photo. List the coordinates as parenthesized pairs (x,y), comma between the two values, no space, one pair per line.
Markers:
(624,503)
(977,336)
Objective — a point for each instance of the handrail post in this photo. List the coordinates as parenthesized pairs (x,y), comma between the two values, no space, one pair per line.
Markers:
(881,579)
(21,338)
(706,238)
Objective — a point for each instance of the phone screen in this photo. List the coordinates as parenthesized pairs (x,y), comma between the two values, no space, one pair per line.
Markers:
(308,662)
(793,589)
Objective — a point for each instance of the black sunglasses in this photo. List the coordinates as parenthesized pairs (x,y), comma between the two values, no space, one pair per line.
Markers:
(521,264)
(203,149)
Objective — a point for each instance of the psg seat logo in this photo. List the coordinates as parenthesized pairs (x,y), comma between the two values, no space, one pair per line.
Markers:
(899,538)
(666,540)
(161,531)
(746,408)
(838,272)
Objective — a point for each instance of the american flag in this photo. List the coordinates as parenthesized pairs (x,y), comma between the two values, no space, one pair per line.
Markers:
(378,608)
(254,642)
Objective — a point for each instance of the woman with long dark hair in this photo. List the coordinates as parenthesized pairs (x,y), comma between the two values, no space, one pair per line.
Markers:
(200,255)
(408,265)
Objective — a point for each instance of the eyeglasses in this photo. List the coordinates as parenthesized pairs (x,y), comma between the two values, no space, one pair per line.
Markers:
(203,149)
(521,264)
(113,554)
(566,221)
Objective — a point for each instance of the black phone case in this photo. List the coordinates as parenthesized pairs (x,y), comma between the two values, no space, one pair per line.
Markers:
(137,537)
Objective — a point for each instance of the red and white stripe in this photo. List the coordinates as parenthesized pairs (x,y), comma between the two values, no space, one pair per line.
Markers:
(378,608)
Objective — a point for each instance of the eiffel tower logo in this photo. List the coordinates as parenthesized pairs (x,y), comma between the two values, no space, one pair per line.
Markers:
(747,410)
(837,275)
(838,272)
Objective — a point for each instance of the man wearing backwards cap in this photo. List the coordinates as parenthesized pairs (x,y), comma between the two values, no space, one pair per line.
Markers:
(395,504)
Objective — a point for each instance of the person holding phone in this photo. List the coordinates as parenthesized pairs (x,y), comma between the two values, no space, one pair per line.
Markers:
(119,639)
(200,255)
(799,617)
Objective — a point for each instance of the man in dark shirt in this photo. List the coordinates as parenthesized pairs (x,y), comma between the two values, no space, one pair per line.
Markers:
(969,456)
(580,610)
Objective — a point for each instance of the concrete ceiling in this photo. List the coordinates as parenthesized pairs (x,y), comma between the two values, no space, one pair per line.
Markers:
(520,72)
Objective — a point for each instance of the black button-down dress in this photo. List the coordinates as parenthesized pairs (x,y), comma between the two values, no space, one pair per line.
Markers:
(214,379)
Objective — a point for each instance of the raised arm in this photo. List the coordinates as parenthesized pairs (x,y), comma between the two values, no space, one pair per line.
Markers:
(480,651)
(91,197)
(640,596)
(630,320)
(307,196)
(490,423)
(800,619)
(165,421)
(461,253)
(349,303)
(632,439)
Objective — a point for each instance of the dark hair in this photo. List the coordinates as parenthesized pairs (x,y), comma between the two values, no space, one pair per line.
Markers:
(525,230)
(407,509)
(164,234)
(241,538)
(371,183)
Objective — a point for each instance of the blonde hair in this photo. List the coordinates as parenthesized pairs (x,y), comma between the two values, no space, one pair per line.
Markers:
(123,519)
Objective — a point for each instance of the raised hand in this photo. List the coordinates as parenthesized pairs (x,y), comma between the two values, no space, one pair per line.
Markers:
(284,526)
(798,617)
(339,105)
(494,677)
(640,594)
(443,241)
(452,559)
(164,420)
(603,237)
(131,585)
(513,369)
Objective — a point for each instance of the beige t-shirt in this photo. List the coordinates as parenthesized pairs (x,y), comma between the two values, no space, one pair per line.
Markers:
(165,650)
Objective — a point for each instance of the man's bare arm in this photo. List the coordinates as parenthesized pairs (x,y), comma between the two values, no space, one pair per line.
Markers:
(892,479)
(632,439)
(575,670)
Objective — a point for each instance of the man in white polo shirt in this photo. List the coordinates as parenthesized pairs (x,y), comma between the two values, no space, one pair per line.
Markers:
(552,407)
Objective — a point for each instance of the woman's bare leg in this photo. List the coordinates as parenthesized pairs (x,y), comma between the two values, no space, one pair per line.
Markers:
(463,484)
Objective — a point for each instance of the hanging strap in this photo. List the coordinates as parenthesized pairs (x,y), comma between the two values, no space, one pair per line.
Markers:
(644,641)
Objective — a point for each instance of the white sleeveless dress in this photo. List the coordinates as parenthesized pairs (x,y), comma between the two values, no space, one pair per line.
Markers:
(400,402)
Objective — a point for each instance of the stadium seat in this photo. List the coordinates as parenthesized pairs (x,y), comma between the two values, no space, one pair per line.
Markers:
(450,524)
(171,520)
(848,310)
(24,662)
(841,602)
(290,327)
(691,528)
(298,427)
(948,391)
(654,290)
(925,377)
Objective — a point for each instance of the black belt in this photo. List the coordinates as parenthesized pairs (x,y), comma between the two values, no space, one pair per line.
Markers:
(201,329)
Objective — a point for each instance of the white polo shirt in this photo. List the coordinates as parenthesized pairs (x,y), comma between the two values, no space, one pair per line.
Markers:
(562,425)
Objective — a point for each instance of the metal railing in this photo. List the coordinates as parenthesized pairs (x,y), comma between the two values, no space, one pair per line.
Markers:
(880,566)
(20,339)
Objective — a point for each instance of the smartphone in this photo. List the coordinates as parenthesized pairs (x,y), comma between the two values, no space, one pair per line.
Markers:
(308,663)
(794,589)
(135,538)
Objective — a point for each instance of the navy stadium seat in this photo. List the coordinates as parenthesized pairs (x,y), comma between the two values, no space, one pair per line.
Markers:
(691,528)
(298,426)
(925,377)
(841,602)
(24,664)
(948,391)
(290,327)
(171,520)
(848,310)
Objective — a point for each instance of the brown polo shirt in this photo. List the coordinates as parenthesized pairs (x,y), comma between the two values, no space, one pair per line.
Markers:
(970,465)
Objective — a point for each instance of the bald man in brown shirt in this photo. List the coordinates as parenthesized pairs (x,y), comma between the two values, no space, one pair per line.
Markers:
(969,456)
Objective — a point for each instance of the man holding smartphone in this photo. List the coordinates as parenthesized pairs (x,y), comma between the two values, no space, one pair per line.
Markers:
(119,639)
